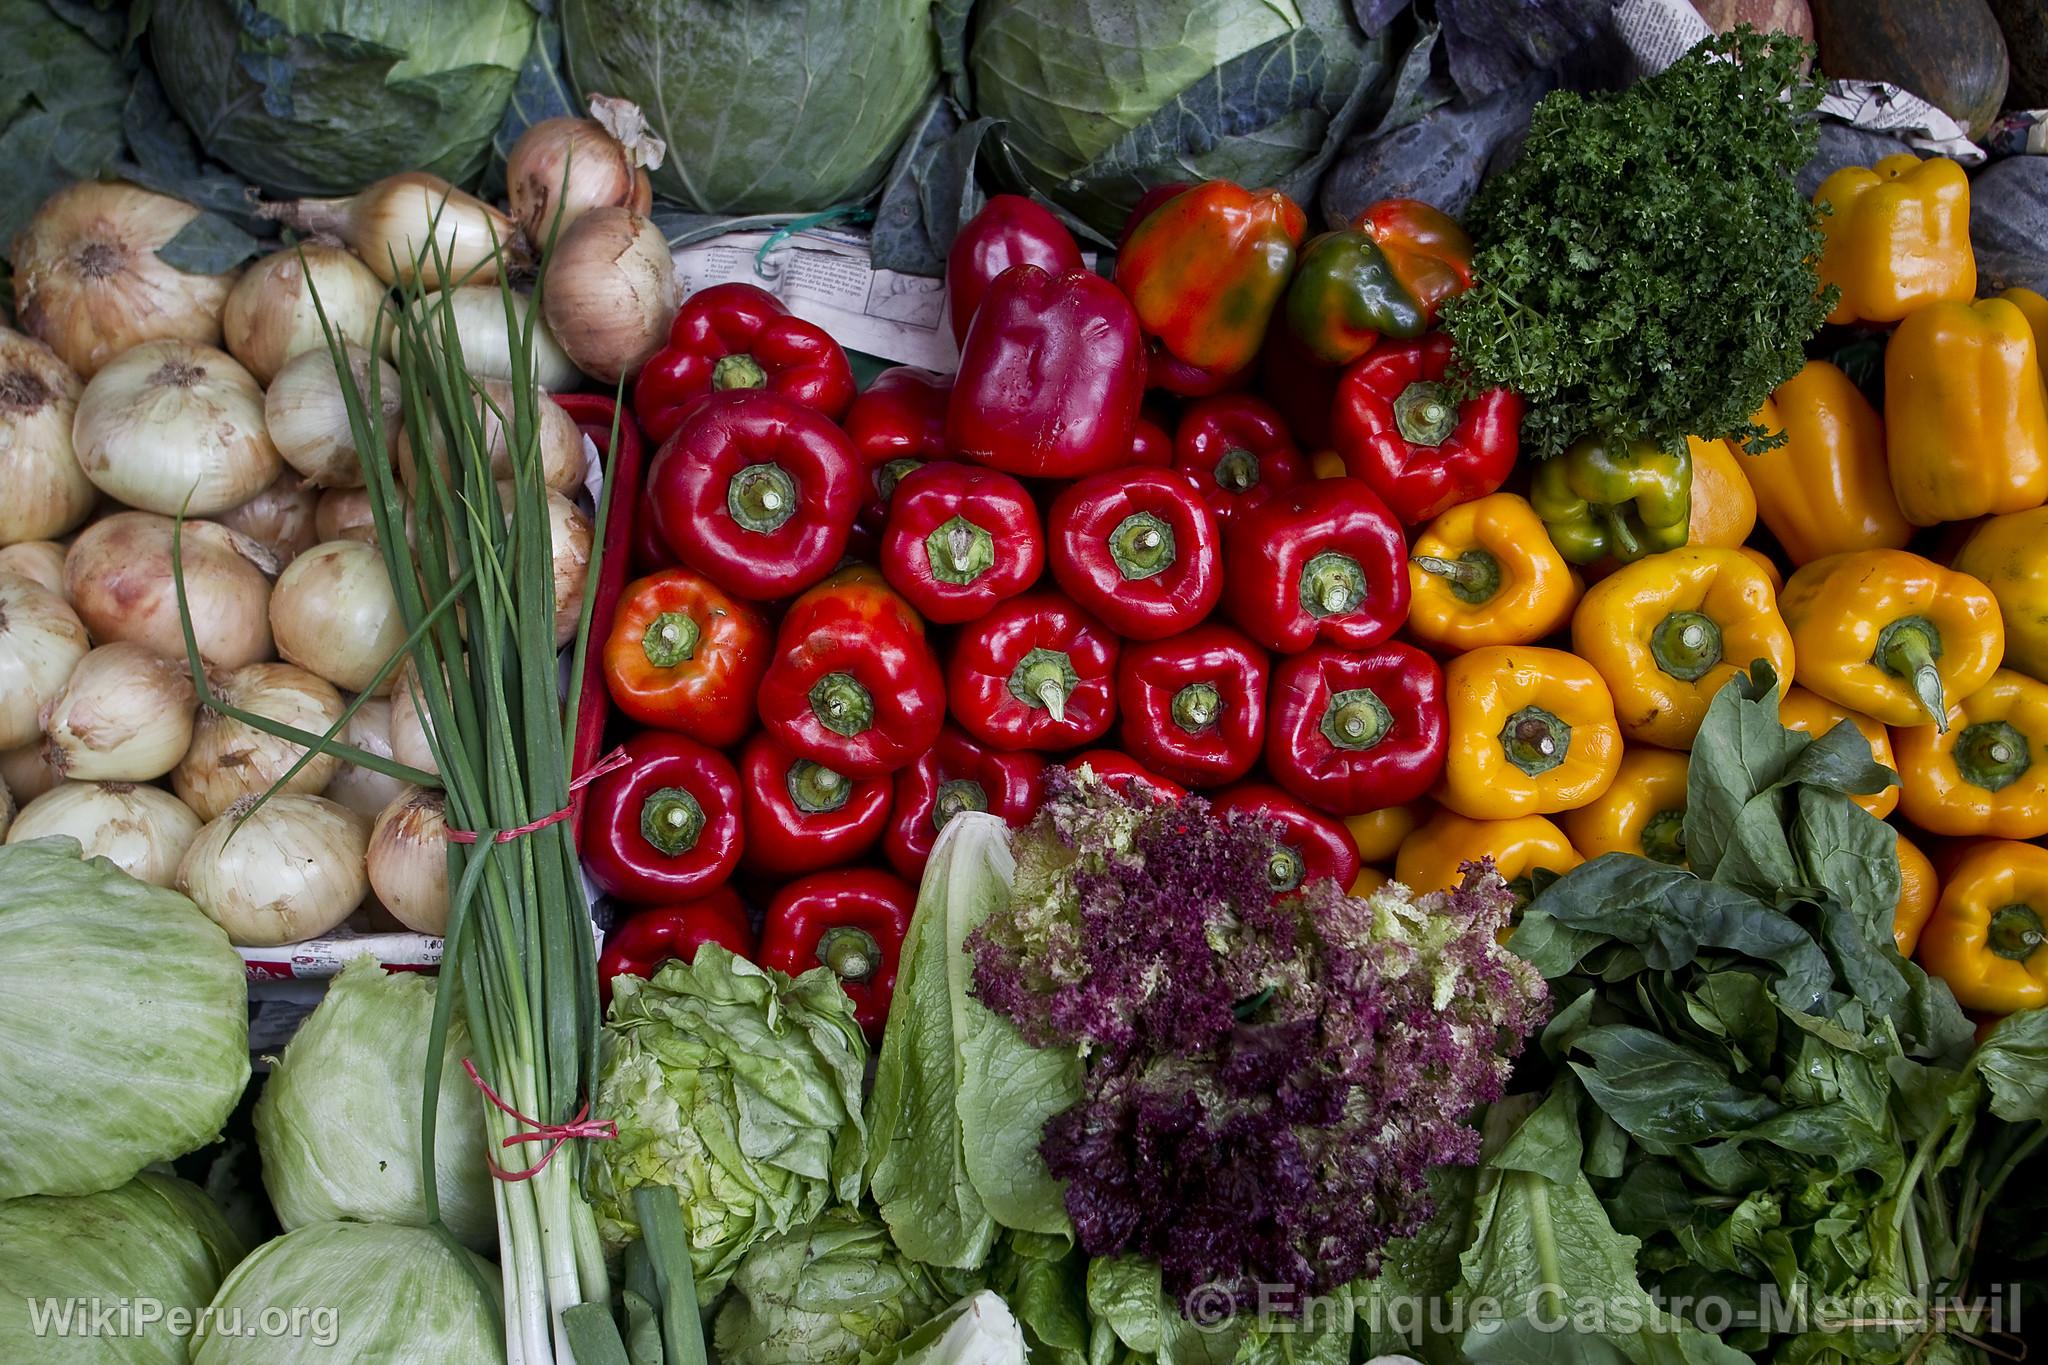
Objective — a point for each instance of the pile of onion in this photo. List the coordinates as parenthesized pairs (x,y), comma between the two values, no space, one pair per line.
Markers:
(408,860)
(46,494)
(229,759)
(171,420)
(363,790)
(118,577)
(307,416)
(284,871)
(269,318)
(142,830)
(610,292)
(124,715)
(481,322)
(562,458)
(39,561)
(390,223)
(280,518)
(605,159)
(41,642)
(333,613)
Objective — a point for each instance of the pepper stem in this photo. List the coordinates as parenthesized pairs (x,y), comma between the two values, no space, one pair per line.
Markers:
(761,497)
(954,796)
(1622,539)
(1043,680)
(1356,719)
(1663,837)
(1196,706)
(1425,413)
(1142,546)
(851,952)
(738,371)
(2015,932)
(959,551)
(671,820)
(1285,870)
(1237,471)
(842,705)
(1686,645)
(1992,754)
(1474,576)
(670,639)
(891,474)
(1908,648)
(816,789)
(1535,741)
(1331,585)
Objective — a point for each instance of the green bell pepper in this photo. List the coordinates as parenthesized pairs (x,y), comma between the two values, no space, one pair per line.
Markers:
(1604,497)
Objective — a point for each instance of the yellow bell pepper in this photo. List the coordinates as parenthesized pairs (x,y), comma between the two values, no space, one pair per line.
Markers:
(1919,888)
(1987,773)
(1767,565)
(1327,464)
(1966,413)
(1432,855)
(1985,938)
(1898,237)
(1368,880)
(1642,813)
(1723,505)
(1379,834)
(1667,631)
(2035,309)
(1532,732)
(1826,490)
(1810,713)
(2009,555)
(1485,573)
(1891,635)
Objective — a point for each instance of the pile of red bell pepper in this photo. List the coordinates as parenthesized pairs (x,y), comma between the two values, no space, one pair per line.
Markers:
(865,613)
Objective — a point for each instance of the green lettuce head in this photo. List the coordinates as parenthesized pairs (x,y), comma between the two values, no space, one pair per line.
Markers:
(740,1089)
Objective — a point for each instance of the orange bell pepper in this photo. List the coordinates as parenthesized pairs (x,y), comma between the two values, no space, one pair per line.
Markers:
(1723,504)
(1206,269)
(1986,937)
(1898,237)
(1826,490)
(1919,888)
(1810,713)
(1987,771)
(1966,413)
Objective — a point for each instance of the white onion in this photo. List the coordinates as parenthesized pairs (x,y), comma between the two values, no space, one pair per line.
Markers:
(408,860)
(46,493)
(39,561)
(485,333)
(280,518)
(363,790)
(142,830)
(569,535)
(308,416)
(410,722)
(611,292)
(229,760)
(270,318)
(388,223)
(291,871)
(41,641)
(562,459)
(333,612)
(125,715)
(171,419)
(88,281)
(605,163)
(27,771)
(118,576)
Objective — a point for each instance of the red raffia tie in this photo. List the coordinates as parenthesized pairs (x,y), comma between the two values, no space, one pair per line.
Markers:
(554,1134)
(611,762)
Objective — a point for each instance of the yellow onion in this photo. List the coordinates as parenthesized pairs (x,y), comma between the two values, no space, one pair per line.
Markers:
(605,159)
(142,830)
(408,860)
(27,771)
(333,612)
(362,790)
(410,722)
(270,318)
(39,561)
(389,223)
(282,872)
(229,759)
(611,292)
(485,332)
(280,518)
(41,641)
(88,281)
(45,492)
(171,419)
(118,577)
(562,459)
(124,715)
(569,535)
(344,514)
(308,417)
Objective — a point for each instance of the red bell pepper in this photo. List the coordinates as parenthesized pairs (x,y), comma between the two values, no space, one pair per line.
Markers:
(1312,845)
(1385,275)
(1401,429)
(1051,375)
(960,539)
(1206,269)
(673,933)
(1194,706)
(802,816)
(1325,562)
(1036,673)
(756,493)
(737,336)
(684,656)
(956,775)
(1357,732)
(1138,548)
(897,423)
(852,921)
(666,826)
(1150,444)
(1125,774)
(1010,230)
(650,553)
(1298,384)
(1148,201)
(853,684)
(1237,450)
(1169,374)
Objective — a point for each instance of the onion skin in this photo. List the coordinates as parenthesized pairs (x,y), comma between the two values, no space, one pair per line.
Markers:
(172,420)
(39,561)
(408,860)
(292,871)
(409,722)
(46,494)
(363,791)
(480,322)
(125,715)
(269,317)
(229,760)
(142,830)
(563,462)
(570,535)
(307,417)
(611,292)
(344,514)
(280,518)
(333,613)
(388,223)
(602,173)
(41,642)
(118,577)
(27,772)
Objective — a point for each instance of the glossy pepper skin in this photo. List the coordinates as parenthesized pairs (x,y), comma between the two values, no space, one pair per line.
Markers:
(1826,490)
(1919,890)
(1891,635)
(1237,450)
(1667,631)
(954,775)
(1532,732)
(665,827)
(2009,555)
(664,933)
(1898,237)
(1353,731)
(1206,269)
(737,336)
(853,683)
(1312,845)
(1139,549)
(1038,672)
(1163,371)
(897,423)
(1399,427)
(1324,563)
(801,816)
(1434,856)
(2035,309)
(1987,773)
(851,920)
(1810,713)
(1380,833)
(683,655)
(1194,705)
(1051,376)
(960,539)
(1985,938)
(1626,499)
(1383,276)
(1966,416)
(1122,773)
(1643,812)
(1723,504)
(757,493)
(1150,444)
(1010,230)
(1485,573)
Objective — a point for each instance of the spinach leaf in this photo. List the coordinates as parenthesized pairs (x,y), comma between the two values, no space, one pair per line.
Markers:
(2014,1064)
(1662,1092)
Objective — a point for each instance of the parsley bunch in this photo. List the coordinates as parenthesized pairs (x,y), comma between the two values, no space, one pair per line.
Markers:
(1646,267)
